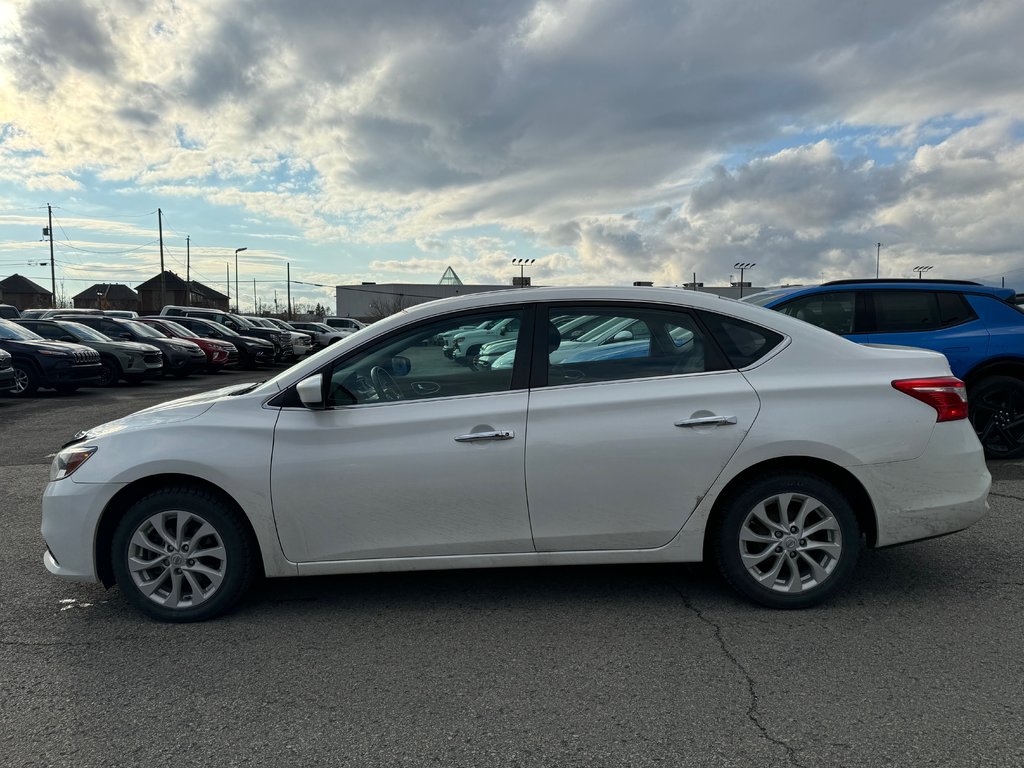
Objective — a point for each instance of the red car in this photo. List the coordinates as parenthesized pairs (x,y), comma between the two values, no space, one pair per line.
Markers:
(218,353)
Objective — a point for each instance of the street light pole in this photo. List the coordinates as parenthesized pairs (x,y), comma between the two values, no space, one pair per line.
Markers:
(878,257)
(523,264)
(921,270)
(743,266)
(238,296)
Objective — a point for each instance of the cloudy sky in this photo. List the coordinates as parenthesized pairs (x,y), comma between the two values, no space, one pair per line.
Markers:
(610,140)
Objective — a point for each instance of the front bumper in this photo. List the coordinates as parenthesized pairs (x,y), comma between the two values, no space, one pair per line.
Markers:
(71,514)
(942,491)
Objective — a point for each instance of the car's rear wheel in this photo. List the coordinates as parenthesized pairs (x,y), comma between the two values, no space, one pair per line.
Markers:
(788,541)
(996,407)
(181,554)
(26,380)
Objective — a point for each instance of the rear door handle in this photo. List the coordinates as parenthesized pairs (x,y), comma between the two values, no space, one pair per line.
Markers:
(706,421)
(477,437)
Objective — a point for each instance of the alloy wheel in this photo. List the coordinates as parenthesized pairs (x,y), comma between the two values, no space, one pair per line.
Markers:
(177,559)
(790,543)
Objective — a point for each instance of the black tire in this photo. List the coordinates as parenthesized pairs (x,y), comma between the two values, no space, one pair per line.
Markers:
(237,562)
(996,407)
(111,373)
(833,548)
(26,380)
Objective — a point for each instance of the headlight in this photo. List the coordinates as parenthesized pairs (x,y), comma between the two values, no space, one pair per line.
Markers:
(67,461)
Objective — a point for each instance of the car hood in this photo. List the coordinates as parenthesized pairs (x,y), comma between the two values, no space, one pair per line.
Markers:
(179,410)
(136,346)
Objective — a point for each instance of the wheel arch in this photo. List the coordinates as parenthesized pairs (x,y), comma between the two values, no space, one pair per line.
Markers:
(849,485)
(131,493)
(1004,366)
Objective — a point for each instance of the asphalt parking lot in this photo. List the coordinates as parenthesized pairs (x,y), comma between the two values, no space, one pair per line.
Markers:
(920,662)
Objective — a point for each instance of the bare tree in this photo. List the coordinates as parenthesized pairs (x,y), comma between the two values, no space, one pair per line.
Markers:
(385,306)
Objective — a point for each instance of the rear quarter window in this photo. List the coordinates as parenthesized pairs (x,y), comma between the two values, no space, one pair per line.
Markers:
(743,343)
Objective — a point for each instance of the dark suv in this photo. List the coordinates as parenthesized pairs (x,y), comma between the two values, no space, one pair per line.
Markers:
(39,363)
(979,328)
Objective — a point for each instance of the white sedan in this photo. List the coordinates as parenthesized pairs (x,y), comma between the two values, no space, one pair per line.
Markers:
(769,445)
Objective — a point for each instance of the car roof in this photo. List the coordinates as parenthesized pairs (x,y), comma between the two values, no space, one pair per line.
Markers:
(837,286)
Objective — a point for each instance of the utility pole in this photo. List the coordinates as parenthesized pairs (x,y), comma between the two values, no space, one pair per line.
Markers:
(53,274)
(163,288)
(275,301)
(227,269)
(188,274)
(878,257)
(289,265)
(255,308)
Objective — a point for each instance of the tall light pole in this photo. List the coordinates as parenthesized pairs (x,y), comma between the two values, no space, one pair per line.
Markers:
(523,264)
(921,270)
(878,257)
(743,266)
(238,296)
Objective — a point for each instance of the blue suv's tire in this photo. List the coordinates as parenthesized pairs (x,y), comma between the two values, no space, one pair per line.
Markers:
(997,412)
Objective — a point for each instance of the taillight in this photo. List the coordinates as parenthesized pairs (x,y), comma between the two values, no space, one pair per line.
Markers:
(946,394)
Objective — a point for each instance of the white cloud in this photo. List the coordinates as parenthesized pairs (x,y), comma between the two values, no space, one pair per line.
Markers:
(597,133)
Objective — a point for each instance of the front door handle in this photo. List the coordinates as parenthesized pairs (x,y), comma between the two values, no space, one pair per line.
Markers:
(476,437)
(706,421)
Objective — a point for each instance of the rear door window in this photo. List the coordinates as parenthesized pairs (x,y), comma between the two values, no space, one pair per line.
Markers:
(910,311)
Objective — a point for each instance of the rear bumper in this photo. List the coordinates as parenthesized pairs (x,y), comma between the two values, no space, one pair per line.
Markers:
(942,491)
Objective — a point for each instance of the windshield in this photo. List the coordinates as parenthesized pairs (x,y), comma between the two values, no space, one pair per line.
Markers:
(83,332)
(144,330)
(181,330)
(766,297)
(13,332)
(242,322)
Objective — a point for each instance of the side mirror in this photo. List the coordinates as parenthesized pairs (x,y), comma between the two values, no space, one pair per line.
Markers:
(311,392)
(401,366)
(623,336)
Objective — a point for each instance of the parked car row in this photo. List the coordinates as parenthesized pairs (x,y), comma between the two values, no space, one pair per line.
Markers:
(65,350)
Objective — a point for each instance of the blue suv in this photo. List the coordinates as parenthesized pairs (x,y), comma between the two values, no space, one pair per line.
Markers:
(979,328)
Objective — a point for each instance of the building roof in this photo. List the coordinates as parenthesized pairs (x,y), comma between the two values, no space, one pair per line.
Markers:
(449,278)
(173,282)
(109,291)
(18,284)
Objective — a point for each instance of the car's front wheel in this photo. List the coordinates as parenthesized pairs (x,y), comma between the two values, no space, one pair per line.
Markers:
(996,406)
(109,374)
(181,554)
(26,380)
(788,541)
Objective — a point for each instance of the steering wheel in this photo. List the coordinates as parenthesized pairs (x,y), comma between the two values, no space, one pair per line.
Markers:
(385,384)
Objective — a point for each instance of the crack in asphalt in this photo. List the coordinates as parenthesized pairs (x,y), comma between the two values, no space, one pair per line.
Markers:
(55,644)
(753,714)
